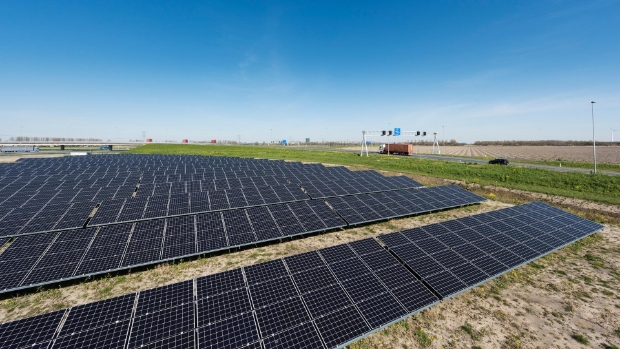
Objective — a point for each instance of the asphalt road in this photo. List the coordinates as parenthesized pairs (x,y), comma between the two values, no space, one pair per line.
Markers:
(473,160)
(550,168)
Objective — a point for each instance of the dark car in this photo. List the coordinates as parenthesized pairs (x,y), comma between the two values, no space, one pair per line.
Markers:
(499,162)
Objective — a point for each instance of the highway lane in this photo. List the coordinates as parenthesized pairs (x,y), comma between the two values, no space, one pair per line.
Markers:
(478,161)
(482,162)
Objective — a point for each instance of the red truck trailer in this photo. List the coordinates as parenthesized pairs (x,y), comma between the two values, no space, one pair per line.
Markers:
(398,149)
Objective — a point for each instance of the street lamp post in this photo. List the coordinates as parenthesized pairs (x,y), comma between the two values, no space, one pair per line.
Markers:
(443,130)
(593,140)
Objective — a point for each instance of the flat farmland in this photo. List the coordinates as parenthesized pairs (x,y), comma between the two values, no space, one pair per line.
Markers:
(606,155)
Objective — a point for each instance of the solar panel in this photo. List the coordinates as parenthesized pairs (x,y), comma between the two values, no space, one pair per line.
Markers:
(231,333)
(160,324)
(109,336)
(97,314)
(165,297)
(30,331)
(341,326)
(303,336)
(278,317)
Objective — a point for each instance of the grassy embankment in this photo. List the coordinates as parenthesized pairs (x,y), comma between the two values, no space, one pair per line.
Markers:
(600,188)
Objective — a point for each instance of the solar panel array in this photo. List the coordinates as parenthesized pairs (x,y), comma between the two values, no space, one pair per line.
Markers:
(39,259)
(321,299)
(53,194)
(43,258)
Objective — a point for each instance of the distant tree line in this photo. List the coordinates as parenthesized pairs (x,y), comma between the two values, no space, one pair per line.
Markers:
(52,139)
(545,142)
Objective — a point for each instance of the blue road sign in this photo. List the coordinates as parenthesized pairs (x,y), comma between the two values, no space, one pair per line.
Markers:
(284,141)
(397,131)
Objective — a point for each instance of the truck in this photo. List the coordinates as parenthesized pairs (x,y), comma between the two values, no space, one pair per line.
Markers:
(20,149)
(105,147)
(398,149)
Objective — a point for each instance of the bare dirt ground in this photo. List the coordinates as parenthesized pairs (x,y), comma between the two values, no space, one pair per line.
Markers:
(607,155)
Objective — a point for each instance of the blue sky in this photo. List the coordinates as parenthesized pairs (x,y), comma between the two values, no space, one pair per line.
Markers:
(485,70)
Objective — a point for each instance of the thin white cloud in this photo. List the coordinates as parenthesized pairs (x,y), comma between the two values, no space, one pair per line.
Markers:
(480,78)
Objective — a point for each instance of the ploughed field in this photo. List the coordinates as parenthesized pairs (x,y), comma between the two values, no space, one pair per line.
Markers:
(607,155)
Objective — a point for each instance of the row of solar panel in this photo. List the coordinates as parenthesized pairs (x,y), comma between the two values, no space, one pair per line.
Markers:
(219,200)
(225,182)
(43,258)
(296,175)
(38,216)
(367,208)
(354,209)
(51,257)
(321,299)
(33,219)
(27,220)
(42,195)
(91,174)
(40,198)
(149,188)
(326,189)
(456,255)
(136,165)
(307,301)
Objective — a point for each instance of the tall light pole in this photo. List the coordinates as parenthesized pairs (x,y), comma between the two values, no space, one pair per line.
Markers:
(443,131)
(593,140)
(612,134)
(389,128)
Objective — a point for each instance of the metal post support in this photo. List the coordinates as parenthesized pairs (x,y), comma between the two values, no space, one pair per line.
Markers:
(363,143)
(593,140)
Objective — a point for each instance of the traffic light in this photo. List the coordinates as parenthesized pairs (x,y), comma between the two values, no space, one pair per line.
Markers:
(390,133)
(383,133)
(424,134)
(417,133)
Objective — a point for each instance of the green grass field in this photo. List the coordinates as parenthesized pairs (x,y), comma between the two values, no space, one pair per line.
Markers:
(600,188)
